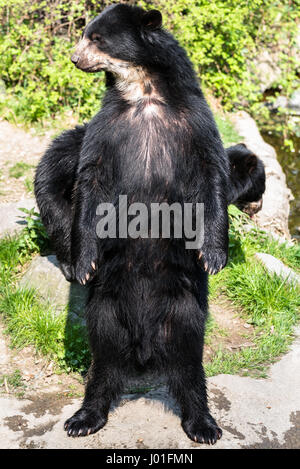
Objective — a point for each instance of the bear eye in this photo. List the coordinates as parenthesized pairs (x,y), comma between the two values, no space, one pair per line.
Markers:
(96,37)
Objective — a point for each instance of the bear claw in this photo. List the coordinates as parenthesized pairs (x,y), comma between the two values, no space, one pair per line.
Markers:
(213,261)
(84,422)
(203,431)
(84,273)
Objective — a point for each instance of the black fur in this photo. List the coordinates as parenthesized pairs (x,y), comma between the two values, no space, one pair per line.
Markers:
(247,179)
(56,177)
(148,297)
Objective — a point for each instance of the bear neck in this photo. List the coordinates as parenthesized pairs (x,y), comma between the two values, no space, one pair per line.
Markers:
(136,84)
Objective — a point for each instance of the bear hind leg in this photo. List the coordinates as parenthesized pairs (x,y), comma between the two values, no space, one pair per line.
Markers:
(104,385)
(186,378)
(107,371)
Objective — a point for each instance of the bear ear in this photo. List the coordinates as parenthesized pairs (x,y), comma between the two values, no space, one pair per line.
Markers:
(152,20)
(251,162)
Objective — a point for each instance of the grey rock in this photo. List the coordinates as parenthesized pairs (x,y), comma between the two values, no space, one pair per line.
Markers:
(275,266)
(45,276)
(276,200)
(10,216)
(292,105)
(280,102)
(294,101)
(265,70)
(2,88)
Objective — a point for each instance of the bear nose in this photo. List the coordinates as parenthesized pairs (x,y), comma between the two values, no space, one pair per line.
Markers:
(75,58)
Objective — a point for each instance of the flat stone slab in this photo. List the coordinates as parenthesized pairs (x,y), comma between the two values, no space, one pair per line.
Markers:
(10,216)
(46,277)
(275,266)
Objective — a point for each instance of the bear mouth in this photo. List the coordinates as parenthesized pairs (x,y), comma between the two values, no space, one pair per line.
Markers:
(93,68)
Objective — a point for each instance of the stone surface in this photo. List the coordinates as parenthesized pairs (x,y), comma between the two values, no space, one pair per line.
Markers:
(265,70)
(18,146)
(275,211)
(292,104)
(2,88)
(281,101)
(275,266)
(253,413)
(46,277)
(10,213)
(294,101)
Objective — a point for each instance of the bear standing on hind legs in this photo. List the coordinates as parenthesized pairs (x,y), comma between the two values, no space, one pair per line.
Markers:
(154,140)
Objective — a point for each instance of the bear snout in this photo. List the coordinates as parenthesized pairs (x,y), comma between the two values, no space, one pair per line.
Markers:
(75,58)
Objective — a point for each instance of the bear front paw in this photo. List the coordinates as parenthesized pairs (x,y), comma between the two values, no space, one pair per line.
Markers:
(68,271)
(212,260)
(85,271)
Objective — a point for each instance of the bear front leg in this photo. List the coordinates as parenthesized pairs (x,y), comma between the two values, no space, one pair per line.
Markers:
(213,253)
(85,256)
(53,186)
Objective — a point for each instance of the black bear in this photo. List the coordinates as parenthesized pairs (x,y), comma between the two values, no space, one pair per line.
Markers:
(247,179)
(154,140)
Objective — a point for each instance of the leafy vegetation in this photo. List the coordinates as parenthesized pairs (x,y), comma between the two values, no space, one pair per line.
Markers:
(228,133)
(221,38)
(34,237)
(14,379)
(36,42)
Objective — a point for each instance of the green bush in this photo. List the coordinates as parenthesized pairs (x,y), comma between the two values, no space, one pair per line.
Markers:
(223,36)
(220,36)
(35,46)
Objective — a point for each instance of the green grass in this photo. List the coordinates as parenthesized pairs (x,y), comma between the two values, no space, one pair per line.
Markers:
(228,133)
(28,319)
(19,169)
(212,329)
(267,302)
(245,239)
(73,391)
(265,298)
(9,254)
(13,382)
(29,185)
(29,323)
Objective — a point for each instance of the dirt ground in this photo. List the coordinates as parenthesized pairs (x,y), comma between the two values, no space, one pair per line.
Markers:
(18,146)
(232,332)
